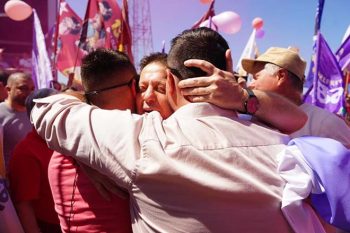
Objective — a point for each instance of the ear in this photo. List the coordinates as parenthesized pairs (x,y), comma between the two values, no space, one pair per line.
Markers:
(282,76)
(170,82)
(133,88)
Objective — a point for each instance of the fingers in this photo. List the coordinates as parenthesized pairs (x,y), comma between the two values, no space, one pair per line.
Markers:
(242,82)
(197,99)
(196,91)
(201,64)
(229,62)
(195,82)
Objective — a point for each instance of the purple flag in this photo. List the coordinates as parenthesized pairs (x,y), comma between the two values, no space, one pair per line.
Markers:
(318,17)
(327,89)
(41,71)
(343,54)
(330,163)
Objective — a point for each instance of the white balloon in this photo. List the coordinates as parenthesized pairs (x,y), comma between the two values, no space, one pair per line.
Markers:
(228,22)
(17,10)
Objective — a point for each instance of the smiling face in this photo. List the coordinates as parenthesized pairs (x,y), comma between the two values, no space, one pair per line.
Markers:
(152,87)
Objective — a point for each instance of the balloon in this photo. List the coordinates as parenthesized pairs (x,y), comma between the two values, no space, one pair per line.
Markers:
(206,1)
(257,23)
(17,10)
(260,33)
(228,22)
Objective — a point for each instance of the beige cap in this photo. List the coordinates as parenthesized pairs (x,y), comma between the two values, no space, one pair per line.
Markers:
(288,59)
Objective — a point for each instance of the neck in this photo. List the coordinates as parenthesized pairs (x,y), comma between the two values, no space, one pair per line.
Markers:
(295,97)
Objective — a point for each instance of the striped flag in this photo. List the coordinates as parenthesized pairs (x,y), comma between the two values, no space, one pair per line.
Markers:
(343,55)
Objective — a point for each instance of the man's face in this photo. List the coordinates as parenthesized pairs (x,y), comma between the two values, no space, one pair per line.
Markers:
(264,80)
(152,86)
(19,90)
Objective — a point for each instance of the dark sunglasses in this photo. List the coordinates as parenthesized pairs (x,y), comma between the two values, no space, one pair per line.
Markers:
(89,93)
(96,92)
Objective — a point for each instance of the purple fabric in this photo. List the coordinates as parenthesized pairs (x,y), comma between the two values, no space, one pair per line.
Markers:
(343,54)
(330,162)
(41,71)
(318,17)
(327,91)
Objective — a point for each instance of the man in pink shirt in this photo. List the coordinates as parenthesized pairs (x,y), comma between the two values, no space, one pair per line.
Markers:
(108,81)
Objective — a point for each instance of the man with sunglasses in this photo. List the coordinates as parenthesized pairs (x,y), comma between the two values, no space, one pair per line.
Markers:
(108,82)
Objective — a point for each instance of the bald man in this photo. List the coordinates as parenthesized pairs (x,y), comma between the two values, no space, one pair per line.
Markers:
(13,115)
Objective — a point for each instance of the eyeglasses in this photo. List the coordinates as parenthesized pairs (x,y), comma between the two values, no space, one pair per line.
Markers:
(96,92)
(90,93)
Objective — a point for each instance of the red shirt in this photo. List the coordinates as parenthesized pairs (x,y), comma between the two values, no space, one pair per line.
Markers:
(80,206)
(28,176)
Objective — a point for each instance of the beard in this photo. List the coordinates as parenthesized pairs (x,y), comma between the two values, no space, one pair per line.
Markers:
(20,100)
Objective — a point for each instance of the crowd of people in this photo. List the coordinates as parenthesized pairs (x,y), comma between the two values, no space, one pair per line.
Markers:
(183,146)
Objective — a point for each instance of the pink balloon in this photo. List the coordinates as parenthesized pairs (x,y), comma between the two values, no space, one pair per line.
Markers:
(257,23)
(260,33)
(206,1)
(228,22)
(17,10)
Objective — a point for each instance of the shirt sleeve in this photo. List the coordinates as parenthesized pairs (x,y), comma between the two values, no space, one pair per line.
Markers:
(106,140)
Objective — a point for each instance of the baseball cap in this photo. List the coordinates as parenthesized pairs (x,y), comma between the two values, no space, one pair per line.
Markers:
(286,58)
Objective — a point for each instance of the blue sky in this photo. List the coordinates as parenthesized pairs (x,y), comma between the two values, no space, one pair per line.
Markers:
(286,22)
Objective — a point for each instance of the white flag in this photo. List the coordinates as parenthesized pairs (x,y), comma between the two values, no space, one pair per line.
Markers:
(41,71)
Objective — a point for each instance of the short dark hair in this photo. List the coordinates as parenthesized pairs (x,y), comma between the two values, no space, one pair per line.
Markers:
(37,94)
(154,57)
(200,43)
(100,65)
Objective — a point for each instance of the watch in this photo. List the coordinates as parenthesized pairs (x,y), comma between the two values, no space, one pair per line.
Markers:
(251,105)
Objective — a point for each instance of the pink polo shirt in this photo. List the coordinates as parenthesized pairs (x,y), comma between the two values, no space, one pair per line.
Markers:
(79,206)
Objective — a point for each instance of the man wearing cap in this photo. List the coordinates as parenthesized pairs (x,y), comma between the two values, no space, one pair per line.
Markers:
(278,70)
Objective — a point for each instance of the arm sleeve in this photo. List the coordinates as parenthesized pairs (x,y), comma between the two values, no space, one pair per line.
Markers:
(106,140)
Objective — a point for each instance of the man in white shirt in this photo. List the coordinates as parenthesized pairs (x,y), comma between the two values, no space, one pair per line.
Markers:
(200,170)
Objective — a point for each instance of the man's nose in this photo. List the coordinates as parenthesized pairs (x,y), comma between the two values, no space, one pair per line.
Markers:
(149,96)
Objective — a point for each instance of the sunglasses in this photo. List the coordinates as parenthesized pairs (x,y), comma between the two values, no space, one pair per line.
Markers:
(96,92)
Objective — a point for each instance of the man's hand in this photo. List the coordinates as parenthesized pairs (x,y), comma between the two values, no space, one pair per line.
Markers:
(103,184)
(219,87)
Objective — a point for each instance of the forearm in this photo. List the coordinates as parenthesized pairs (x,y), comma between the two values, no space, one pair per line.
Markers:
(94,136)
(279,112)
(27,217)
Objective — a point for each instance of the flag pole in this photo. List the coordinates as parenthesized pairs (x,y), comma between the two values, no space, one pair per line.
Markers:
(54,67)
(347,77)
(82,38)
